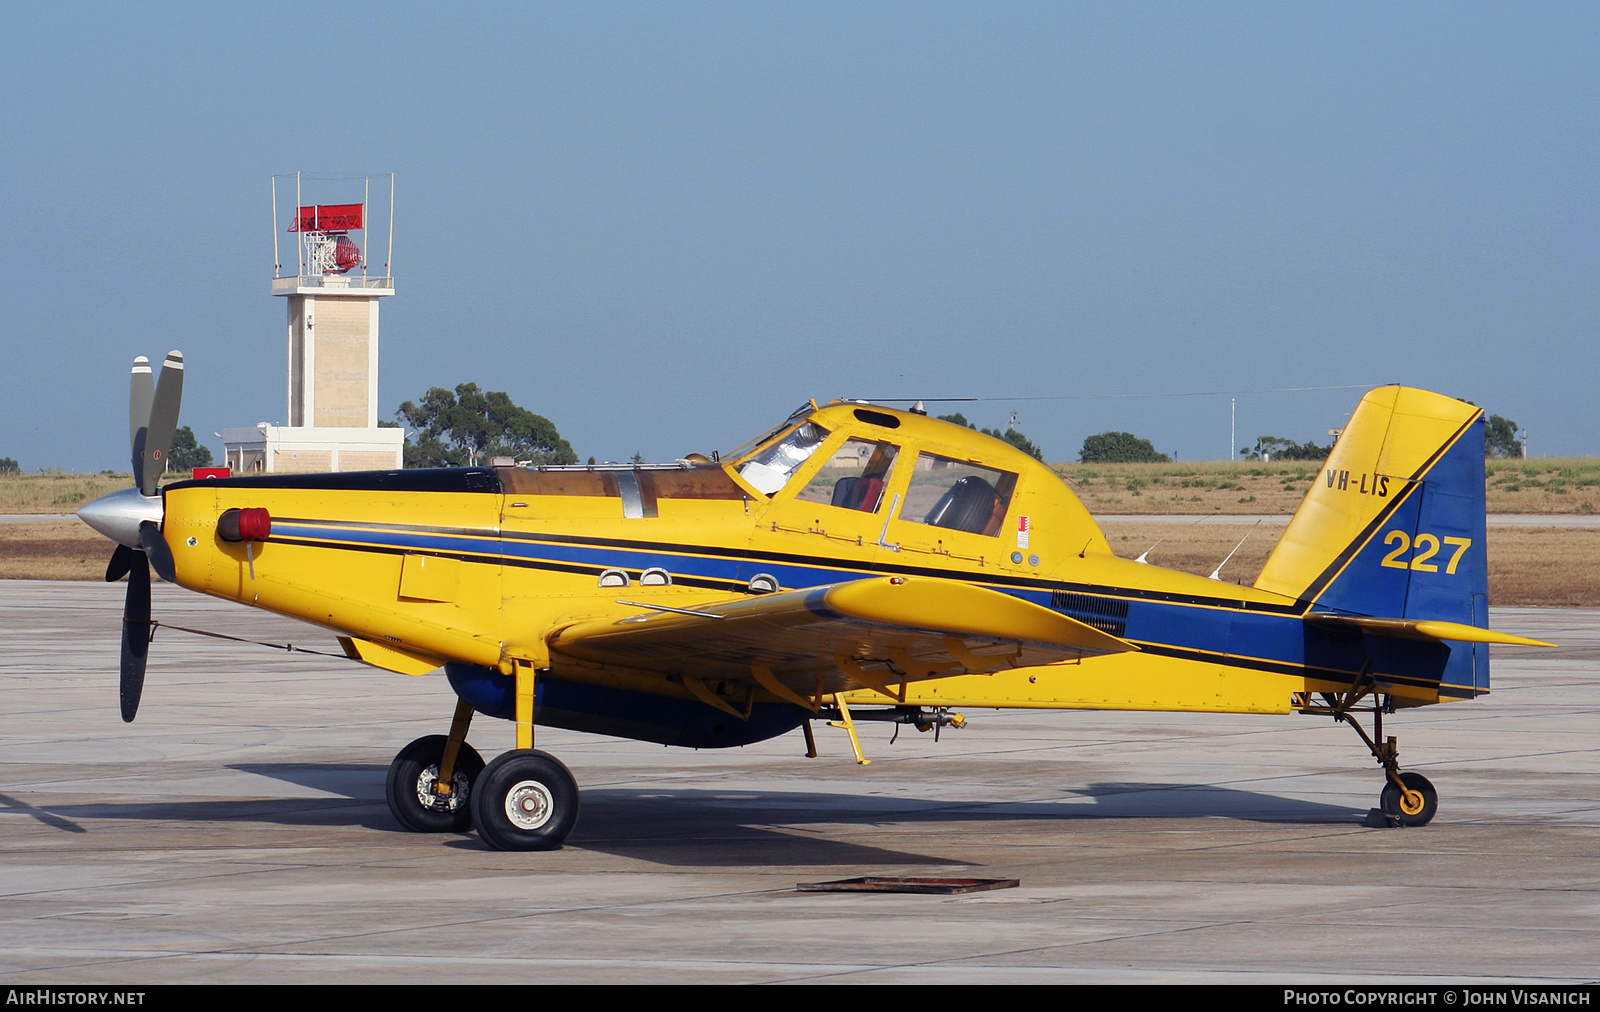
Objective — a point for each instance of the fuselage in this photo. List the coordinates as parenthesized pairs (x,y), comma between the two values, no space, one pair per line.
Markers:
(483,566)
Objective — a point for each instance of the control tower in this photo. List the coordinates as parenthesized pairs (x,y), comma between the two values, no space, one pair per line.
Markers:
(332,299)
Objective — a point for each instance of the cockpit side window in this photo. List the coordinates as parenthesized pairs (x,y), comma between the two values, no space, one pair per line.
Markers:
(771,469)
(853,478)
(958,495)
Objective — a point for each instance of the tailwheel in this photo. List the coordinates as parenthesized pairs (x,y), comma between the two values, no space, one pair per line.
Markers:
(1416,805)
(525,800)
(1408,798)
(411,787)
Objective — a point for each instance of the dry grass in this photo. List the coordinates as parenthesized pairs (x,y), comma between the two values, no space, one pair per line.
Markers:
(1545,485)
(1528,566)
(1197,548)
(1514,486)
(1550,566)
(1190,488)
(56,493)
(56,550)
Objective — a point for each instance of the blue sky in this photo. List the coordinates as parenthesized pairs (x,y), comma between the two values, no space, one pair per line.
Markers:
(663,226)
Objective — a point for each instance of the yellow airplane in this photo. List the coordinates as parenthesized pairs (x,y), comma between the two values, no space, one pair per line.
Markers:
(855,562)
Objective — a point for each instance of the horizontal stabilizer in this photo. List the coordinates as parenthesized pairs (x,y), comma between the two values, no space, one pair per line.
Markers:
(1422,629)
(862,634)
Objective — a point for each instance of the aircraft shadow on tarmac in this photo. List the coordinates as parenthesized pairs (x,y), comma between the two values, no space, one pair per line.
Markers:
(16,806)
(716,826)
(693,826)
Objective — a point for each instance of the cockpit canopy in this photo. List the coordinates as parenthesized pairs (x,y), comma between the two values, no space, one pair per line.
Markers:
(953,478)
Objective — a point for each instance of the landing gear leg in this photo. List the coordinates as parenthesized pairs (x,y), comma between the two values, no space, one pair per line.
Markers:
(431,781)
(1408,799)
(525,799)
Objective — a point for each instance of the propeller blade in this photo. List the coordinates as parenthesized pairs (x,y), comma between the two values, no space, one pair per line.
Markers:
(140,397)
(135,634)
(157,551)
(163,422)
(121,563)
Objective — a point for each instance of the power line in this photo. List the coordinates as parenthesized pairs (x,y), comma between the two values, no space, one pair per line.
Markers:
(1090,397)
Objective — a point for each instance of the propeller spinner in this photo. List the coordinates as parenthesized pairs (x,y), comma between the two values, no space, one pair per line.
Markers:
(132,518)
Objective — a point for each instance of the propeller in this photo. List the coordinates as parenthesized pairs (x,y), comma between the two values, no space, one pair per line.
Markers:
(161,421)
(135,635)
(132,517)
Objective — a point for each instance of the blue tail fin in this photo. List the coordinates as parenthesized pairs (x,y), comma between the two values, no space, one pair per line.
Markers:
(1394,526)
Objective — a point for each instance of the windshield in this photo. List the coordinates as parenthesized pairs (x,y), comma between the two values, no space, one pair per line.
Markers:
(770,469)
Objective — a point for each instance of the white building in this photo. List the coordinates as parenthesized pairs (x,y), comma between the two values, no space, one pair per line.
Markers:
(333,355)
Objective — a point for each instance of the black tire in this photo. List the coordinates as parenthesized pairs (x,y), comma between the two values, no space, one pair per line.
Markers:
(410,787)
(1411,812)
(525,800)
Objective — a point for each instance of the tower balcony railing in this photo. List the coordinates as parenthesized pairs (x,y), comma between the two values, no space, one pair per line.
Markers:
(332,282)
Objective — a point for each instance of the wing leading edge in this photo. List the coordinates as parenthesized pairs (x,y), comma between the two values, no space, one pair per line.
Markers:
(869,633)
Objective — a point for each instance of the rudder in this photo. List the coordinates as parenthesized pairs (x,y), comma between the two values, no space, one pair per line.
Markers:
(1394,523)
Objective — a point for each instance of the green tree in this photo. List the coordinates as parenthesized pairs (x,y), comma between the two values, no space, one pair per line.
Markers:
(1016,439)
(1500,438)
(1119,448)
(1278,448)
(9,466)
(187,453)
(470,426)
(1011,436)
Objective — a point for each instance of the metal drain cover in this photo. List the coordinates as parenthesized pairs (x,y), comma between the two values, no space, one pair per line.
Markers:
(887,884)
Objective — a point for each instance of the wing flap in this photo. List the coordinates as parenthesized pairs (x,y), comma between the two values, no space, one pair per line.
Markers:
(860,634)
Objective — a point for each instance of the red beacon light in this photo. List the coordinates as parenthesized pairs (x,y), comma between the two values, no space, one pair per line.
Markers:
(248,526)
(244,525)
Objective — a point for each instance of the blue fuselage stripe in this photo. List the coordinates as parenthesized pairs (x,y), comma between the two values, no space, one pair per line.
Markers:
(1204,632)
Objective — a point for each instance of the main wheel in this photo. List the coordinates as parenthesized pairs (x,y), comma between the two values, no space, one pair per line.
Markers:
(1416,805)
(410,787)
(525,800)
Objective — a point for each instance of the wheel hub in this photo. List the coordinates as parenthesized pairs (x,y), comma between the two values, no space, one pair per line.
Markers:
(529,805)
(457,797)
(1412,802)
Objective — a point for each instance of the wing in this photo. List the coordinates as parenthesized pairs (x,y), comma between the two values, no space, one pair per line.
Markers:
(862,634)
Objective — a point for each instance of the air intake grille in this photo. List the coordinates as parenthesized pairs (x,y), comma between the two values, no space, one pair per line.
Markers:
(1104,614)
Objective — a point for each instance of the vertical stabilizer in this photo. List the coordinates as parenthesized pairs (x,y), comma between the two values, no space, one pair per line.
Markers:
(1393,531)
(1394,523)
